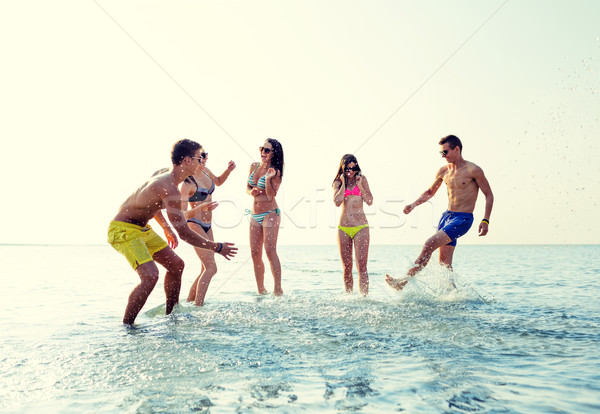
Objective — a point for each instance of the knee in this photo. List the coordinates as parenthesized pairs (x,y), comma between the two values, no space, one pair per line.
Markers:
(210,269)
(271,254)
(177,266)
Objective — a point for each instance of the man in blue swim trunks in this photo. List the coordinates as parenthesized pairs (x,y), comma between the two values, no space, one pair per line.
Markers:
(463,180)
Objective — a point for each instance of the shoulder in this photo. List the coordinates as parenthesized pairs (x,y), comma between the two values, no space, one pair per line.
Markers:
(442,172)
(253,166)
(165,185)
(474,169)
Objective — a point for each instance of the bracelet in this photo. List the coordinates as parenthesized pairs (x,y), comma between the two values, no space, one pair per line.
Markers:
(486,221)
(220,248)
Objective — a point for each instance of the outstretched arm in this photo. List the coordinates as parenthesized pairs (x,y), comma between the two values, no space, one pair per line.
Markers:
(177,218)
(430,192)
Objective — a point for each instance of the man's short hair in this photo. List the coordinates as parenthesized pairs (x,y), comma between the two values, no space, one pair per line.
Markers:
(452,141)
(183,148)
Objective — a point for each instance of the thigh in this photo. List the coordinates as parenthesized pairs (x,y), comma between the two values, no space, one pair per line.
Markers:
(271,229)
(439,239)
(361,245)
(345,243)
(256,236)
(168,259)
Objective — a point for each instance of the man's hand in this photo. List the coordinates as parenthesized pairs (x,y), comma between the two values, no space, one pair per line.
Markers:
(228,251)
(483,228)
(171,238)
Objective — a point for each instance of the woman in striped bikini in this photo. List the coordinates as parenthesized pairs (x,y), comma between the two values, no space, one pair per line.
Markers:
(350,190)
(263,183)
(197,192)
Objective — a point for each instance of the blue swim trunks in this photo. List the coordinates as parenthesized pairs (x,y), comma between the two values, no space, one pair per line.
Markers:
(455,225)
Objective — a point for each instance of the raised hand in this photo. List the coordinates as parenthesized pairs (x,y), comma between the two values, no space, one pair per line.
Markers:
(227,250)
(231,166)
(271,172)
(409,208)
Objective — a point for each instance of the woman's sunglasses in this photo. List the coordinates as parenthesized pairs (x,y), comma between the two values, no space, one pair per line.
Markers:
(265,150)
(355,168)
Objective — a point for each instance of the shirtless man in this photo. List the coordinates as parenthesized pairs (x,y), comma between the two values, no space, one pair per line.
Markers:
(131,236)
(463,180)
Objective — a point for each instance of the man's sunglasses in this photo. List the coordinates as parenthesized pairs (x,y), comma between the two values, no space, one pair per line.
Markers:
(444,153)
(265,150)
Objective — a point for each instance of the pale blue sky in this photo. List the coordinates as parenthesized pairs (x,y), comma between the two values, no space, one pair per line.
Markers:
(94,94)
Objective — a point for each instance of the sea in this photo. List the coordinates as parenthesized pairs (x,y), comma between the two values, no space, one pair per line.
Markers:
(514,329)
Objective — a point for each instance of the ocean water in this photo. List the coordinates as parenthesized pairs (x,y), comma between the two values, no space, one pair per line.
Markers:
(519,334)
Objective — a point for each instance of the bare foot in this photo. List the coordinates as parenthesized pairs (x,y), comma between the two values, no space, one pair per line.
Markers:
(278,292)
(263,291)
(397,284)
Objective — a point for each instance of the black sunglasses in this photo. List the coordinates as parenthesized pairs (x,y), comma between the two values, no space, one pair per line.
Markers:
(203,154)
(444,153)
(265,150)
(355,168)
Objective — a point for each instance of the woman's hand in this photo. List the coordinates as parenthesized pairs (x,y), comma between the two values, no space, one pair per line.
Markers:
(231,166)
(256,192)
(271,172)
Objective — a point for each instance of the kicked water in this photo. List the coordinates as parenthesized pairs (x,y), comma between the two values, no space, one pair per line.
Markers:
(519,334)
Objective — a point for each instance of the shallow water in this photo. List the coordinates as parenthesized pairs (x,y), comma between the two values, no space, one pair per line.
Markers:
(519,334)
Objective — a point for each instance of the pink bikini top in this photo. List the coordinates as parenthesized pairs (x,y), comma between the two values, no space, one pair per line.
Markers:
(354,191)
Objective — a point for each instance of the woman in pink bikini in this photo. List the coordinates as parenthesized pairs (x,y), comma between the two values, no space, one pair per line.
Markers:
(350,190)
(264,180)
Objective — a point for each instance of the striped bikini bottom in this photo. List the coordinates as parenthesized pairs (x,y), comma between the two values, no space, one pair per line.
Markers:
(260,217)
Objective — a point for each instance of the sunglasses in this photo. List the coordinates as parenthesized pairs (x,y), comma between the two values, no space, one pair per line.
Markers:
(444,153)
(265,150)
(202,156)
(355,168)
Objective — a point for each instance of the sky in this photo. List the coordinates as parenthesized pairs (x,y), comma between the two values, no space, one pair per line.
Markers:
(93,94)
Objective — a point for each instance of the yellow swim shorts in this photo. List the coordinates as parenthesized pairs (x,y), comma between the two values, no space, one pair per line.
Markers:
(138,244)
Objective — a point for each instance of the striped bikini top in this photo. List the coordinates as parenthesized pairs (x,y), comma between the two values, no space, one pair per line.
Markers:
(201,193)
(262,181)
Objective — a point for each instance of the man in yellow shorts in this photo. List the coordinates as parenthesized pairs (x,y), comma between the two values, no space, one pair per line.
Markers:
(130,234)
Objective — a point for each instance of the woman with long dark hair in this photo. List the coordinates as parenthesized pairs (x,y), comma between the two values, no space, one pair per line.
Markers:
(197,192)
(263,183)
(351,190)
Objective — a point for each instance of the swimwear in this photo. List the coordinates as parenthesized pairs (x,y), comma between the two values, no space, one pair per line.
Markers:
(201,193)
(354,191)
(138,244)
(262,181)
(205,226)
(455,225)
(260,217)
(352,231)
